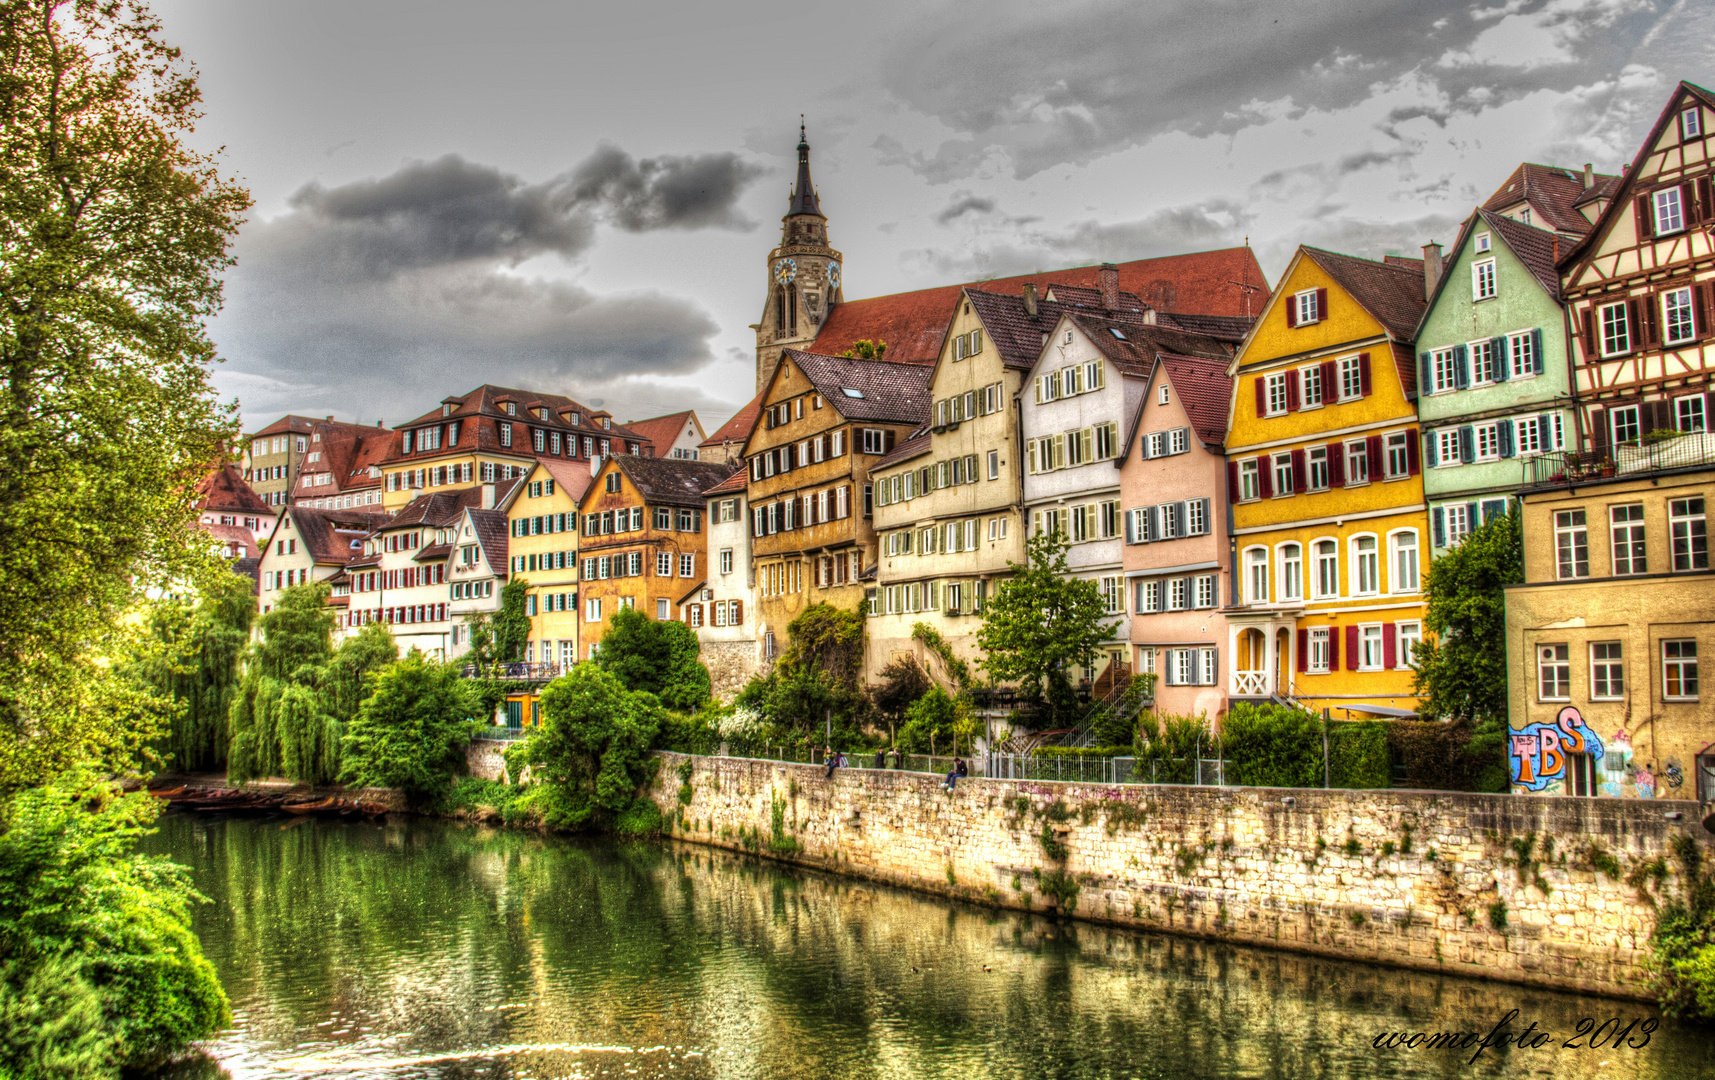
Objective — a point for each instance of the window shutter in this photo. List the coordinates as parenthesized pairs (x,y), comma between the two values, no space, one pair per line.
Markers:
(1333,648)
(1688,207)
(1303,650)
(1390,645)
(1412,468)
(1536,349)
(1425,374)
(1179,528)
(1265,477)
(1130,533)
(1505,428)
(1598,430)
(1703,301)
(1493,508)
(1704,209)
(1364,374)
(1261,395)
(1632,326)
(1467,444)
(1439,516)
(1644,214)
(1351,648)
(1650,323)
(1587,334)
(1233,481)
(1503,360)
(1291,312)
(1336,465)
(1292,391)
(1330,389)
(1321,305)
(1461,367)
(1143,447)
(1373,451)
(1298,478)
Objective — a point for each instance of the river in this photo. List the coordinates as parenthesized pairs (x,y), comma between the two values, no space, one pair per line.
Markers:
(439,950)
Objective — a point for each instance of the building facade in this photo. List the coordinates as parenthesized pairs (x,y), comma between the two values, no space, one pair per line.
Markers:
(727,624)
(1324,473)
(542,549)
(676,435)
(310,545)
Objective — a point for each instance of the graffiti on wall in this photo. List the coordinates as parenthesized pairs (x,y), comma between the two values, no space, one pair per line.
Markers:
(1537,753)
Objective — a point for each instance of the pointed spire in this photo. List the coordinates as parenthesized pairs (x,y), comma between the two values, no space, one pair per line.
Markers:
(804,196)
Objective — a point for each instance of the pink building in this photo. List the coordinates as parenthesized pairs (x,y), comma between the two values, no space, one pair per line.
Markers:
(1173,490)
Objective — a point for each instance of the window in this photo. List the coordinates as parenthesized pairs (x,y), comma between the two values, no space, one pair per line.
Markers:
(1274,394)
(1206,590)
(874,441)
(1367,566)
(1196,517)
(1679,670)
(1669,215)
(1318,459)
(997,528)
(1357,463)
(1256,576)
(1626,425)
(1483,242)
(1291,572)
(1677,325)
(1178,598)
(1688,414)
(687,565)
(1689,531)
(1553,672)
(1524,351)
(1113,600)
(1443,370)
(1282,474)
(1397,458)
(1179,440)
(1317,662)
(592,609)
(1305,307)
(1410,637)
(1310,386)
(1627,525)
(1485,362)
(1571,545)
(1483,280)
(1107,441)
(1148,597)
(1371,652)
(1351,378)
(726,560)
(1405,561)
(1327,569)
(1249,480)
(1607,671)
(663,564)
(1616,330)
(1487,439)
(994,464)
(1690,123)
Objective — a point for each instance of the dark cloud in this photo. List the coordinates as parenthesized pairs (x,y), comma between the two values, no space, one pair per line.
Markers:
(965,204)
(381,295)
(1052,84)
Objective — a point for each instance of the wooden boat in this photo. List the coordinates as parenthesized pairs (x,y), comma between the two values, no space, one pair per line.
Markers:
(312,807)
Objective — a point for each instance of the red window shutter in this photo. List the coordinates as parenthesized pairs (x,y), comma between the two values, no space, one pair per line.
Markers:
(1298,483)
(1303,650)
(1702,294)
(1390,645)
(1336,465)
(1599,430)
(1411,451)
(1364,374)
(1233,481)
(1261,395)
(1321,305)
(1373,451)
(1291,312)
(1688,203)
(1330,390)
(1704,209)
(1333,648)
(1292,391)
(1587,335)
(1265,477)
(1351,648)
(1633,323)
(1644,216)
(1649,308)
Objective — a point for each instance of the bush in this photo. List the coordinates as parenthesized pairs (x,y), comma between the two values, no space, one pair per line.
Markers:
(641,818)
(591,752)
(412,732)
(1682,946)
(1358,755)
(657,657)
(1167,748)
(1272,746)
(928,724)
(1082,751)
(96,938)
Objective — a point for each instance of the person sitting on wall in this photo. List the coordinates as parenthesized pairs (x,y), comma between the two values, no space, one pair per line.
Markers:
(959,769)
(833,762)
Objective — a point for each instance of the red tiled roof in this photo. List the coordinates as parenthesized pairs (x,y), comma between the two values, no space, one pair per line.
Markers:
(444,507)
(736,430)
(1205,391)
(913,323)
(858,389)
(480,410)
(493,534)
(224,490)
(347,453)
(328,535)
(674,481)
(1133,347)
(233,537)
(916,446)
(735,482)
(573,477)
(1536,248)
(663,431)
(1553,193)
(1393,294)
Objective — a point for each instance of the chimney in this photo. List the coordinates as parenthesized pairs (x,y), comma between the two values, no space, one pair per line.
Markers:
(488,496)
(1431,268)
(1030,299)
(330,417)
(1589,176)
(1109,276)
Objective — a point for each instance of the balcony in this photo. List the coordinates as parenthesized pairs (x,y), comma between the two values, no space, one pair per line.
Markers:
(1564,468)
(519,672)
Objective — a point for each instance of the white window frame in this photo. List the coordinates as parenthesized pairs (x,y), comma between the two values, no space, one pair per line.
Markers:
(1317,662)
(1691,413)
(1677,304)
(1405,562)
(1289,574)
(1634,424)
(1256,568)
(1483,285)
(1667,206)
(1316,469)
(1443,371)
(1691,123)
(1306,305)
(1274,394)
(1608,672)
(1614,327)
(1310,387)
(1250,486)
(1363,575)
(1408,635)
(1553,671)
(1324,574)
(1372,648)
(1684,663)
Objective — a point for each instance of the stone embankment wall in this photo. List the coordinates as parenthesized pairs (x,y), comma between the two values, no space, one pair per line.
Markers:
(483,757)
(1556,892)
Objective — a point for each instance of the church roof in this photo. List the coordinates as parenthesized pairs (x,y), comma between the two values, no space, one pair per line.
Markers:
(804,199)
(914,323)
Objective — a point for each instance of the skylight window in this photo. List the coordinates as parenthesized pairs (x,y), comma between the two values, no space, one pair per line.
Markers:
(849,392)
(1115,331)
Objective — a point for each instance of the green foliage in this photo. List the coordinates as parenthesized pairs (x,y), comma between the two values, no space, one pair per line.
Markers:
(591,752)
(115,236)
(902,682)
(346,682)
(1115,724)
(197,666)
(1167,748)
(928,723)
(1461,665)
(1081,751)
(958,672)
(115,925)
(1498,915)
(1682,946)
(1358,755)
(1040,621)
(865,349)
(411,733)
(1441,755)
(51,1022)
(641,818)
(500,637)
(828,641)
(659,657)
(1272,746)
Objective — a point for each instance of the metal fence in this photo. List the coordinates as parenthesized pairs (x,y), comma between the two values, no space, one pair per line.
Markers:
(1209,772)
(1574,466)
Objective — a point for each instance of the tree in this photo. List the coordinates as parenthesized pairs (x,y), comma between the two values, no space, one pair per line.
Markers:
(867,350)
(281,723)
(115,236)
(1461,664)
(1040,621)
(655,656)
(197,666)
(347,680)
(412,731)
(902,682)
(591,750)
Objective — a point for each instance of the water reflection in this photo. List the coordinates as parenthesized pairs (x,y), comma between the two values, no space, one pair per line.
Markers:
(427,949)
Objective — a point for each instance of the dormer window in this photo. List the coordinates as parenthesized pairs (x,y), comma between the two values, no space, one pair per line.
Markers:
(446,408)
(574,419)
(607,423)
(511,408)
(1483,241)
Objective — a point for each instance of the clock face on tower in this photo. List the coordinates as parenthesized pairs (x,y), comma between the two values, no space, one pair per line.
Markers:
(785,270)
(834,274)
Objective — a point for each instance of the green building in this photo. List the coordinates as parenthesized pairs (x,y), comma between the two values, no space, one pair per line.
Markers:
(1492,375)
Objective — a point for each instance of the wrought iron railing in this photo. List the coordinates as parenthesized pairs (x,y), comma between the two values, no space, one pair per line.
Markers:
(521,672)
(1560,467)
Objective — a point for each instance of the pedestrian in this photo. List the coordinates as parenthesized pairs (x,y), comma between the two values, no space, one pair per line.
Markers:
(955,772)
(833,762)
(881,758)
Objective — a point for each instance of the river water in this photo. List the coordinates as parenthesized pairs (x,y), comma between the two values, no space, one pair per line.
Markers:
(433,949)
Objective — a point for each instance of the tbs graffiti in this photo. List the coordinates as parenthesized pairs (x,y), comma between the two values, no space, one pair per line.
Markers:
(1538,752)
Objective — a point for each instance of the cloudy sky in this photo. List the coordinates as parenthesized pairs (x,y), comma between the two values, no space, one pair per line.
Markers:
(580,197)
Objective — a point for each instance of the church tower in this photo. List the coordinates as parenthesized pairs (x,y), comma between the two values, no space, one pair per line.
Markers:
(803,276)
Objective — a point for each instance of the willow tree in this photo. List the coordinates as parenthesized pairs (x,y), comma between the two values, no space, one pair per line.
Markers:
(115,235)
(197,666)
(281,725)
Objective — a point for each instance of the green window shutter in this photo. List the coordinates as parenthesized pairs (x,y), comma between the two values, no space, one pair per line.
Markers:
(1503,361)
(1536,348)
(1440,518)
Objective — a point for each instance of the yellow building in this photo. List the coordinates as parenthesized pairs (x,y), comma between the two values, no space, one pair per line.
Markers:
(542,548)
(1329,534)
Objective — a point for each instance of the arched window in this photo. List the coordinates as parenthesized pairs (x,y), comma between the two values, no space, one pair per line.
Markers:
(792,310)
(1256,576)
(1327,569)
(1366,566)
(779,311)
(1405,566)
(1291,572)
